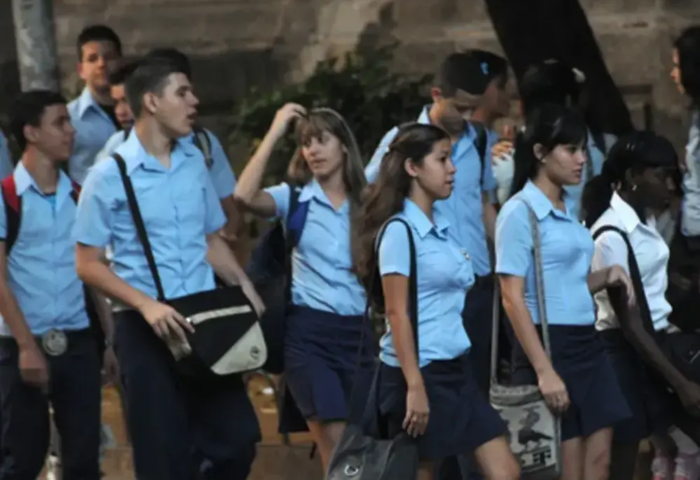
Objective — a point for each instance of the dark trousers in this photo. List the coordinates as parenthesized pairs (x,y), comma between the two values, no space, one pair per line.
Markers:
(478,319)
(178,425)
(74,394)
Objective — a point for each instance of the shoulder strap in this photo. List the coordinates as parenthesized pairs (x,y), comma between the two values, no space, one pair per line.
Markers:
(75,192)
(480,142)
(203,142)
(635,275)
(140,227)
(13,211)
(296,218)
(127,131)
(412,280)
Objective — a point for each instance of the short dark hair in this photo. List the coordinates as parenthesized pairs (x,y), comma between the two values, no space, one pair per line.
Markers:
(550,82)
(28,109)
(98,33)
(121,74)
(471,71)
(688,47)
(173,55)
(150,76)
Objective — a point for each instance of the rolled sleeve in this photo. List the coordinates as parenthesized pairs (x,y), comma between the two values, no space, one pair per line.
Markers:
(94,214)
(221,172)
(372,168)
(610,249)
(513,240)
(280,194)
(394,251)
(215,218)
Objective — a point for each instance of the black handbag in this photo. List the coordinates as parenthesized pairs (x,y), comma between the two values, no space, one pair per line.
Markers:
(227,337)
(361,453)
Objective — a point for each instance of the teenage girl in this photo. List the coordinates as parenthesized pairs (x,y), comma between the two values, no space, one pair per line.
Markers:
(635,187)
(325,323)
(433,395)
(578,382)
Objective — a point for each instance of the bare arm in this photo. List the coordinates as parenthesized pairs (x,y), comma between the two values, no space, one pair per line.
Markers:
(489,215)
(248,191)
(230,230)
(598,280)
(104,314)
(396,298)
(9,308)
(513,292)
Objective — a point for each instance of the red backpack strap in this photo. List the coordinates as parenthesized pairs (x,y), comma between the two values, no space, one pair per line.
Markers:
(13,211)
(75,193)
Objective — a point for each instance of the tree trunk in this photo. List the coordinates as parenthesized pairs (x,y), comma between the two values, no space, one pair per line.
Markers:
(535,30)
(36,44)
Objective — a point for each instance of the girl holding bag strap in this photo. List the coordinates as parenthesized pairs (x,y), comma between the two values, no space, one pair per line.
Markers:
(434,397)
(578,382)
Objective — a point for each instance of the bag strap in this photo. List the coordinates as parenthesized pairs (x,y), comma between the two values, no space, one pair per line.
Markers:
(203,142)
(541,302)
(480,142)
(13,211)
(635,275)
(296,218)
(140,227)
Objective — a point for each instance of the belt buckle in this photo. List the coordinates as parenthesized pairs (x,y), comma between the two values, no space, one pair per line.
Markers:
(55,342)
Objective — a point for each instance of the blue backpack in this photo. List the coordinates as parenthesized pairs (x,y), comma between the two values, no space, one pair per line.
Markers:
(270,269)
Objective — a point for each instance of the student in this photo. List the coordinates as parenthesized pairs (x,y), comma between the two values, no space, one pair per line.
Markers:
(174,422)
(467,84)
(578,382)
(634,188)
(92,113)
(325,321)
(47,349)
(122,110)
(5,158)
(552,82)
(433,395)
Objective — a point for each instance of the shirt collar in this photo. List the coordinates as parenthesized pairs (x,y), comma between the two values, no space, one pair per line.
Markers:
(469,133)
(625,212)
(540,204)
(313,189)
(24,181)
(87,102)
(134,154)
(421,222)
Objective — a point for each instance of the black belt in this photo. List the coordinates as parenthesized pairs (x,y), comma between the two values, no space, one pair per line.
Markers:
(54,342)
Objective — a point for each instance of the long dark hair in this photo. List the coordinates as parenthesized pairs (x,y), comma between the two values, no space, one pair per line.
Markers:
(385,197)
(688,47)
(636,152)
(550,126)
(551,82)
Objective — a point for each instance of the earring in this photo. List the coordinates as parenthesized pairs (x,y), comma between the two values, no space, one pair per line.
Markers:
(634,187)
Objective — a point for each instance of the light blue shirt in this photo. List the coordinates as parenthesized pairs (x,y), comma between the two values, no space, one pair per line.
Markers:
(505,169)
(179,208)
(93,127)
(322,276)
(691,181)
(444,274)
(41,265)
(221,173)
(5,159)
(464,208)
(567,250)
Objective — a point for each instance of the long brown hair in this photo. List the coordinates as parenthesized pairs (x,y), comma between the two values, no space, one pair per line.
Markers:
(313,125)
(386,196)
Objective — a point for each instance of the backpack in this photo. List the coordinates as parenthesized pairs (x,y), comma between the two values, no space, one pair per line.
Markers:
(13,215)
(201,141)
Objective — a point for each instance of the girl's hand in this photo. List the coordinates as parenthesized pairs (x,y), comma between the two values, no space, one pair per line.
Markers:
(554,391)
(284,117)
(417,411)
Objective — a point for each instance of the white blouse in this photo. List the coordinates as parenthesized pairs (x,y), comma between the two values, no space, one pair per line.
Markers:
(651,252)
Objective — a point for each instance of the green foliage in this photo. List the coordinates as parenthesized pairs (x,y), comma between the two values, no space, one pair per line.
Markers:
(360,86)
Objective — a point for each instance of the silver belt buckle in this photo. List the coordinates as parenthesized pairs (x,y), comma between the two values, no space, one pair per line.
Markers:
(55,342)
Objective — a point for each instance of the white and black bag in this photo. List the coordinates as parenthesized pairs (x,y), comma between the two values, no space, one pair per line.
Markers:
(534,432)
(227,337)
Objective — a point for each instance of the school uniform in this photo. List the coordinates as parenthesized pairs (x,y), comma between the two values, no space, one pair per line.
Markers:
(643,389)
(690,224)
(93,127)
(325,322)
(464,211)
(43,279)
(461,418)
(5,159)
(577,353)
(174,421)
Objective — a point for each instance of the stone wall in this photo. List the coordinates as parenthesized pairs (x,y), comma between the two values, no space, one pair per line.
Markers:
(236,44)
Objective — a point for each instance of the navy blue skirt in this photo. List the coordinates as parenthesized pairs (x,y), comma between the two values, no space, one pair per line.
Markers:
(321,363)
(579,359)
(648,397)
(461,419)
